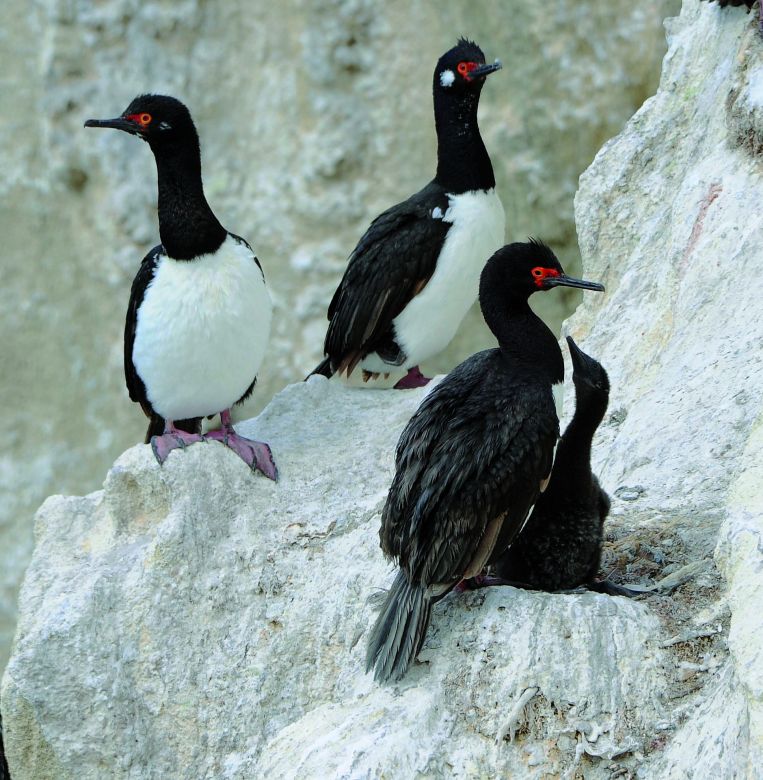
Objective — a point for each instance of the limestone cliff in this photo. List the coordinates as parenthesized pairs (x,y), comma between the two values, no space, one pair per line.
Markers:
(313,117)
(197,621)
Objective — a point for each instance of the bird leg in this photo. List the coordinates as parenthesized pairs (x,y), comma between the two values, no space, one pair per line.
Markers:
(172,439)
(256,454)
(414,378)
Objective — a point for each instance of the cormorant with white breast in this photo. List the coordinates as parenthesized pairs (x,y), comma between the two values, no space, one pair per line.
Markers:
(559,547)
(415,272)
(199,316)
(474,457)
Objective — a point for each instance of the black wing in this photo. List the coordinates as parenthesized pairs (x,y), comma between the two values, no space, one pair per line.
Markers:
(469,466)
(249,247)
(135,386)
(392,263)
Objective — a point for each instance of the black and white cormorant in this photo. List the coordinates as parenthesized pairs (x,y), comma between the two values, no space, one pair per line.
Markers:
(559,547)
(415,272)
(474,457)
(199,316)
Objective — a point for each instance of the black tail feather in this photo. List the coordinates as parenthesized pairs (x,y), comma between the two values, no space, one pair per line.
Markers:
(156,426)
(323,368)
(399,631)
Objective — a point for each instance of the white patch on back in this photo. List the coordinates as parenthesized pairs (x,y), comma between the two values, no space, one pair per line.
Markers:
(447,77)
(431,319)
(202,330)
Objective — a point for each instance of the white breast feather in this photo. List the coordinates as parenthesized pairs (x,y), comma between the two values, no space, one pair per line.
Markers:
(202,331)
(429,322)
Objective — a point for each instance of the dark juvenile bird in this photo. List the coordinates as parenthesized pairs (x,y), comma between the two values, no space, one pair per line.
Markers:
(199,316)
(474,457)
(415,272)
(560,546)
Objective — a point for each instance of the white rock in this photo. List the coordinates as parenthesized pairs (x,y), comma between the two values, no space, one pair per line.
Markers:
(313,118)
(198,621)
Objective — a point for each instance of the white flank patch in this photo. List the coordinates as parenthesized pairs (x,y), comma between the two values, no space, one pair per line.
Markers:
(431,319)
(447,77)
(436,213)
(202,331)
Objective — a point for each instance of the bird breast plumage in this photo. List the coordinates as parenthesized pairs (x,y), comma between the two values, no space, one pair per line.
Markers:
(202,330)
(429,322)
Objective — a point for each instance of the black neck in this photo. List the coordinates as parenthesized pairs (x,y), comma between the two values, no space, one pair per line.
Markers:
(187,226)
(524,339)
(463,163)
(573,456)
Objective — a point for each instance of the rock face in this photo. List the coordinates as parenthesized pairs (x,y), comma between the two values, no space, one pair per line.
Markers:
(197,621)
(313,117)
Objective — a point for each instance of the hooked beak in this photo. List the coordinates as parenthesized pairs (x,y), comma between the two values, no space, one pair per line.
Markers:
(579,358)
(485,70)
(119,123)
(568,281)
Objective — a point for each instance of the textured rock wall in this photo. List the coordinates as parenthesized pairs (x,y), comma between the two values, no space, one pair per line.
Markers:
(195,620)
(313,117)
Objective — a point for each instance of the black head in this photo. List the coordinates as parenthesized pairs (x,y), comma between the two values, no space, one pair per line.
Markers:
(462,70)
(521,269)
(160,120)
(587,373)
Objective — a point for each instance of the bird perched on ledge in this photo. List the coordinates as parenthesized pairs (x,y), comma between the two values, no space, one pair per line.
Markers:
(198,321)
(560,546)
(414,274)
(474,457)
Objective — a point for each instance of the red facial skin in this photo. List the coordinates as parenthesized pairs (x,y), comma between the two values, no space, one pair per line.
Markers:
(144,120)
(465,68)
(539,274)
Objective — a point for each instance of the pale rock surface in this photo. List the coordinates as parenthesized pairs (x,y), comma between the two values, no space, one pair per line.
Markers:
(313,117)
(198,621)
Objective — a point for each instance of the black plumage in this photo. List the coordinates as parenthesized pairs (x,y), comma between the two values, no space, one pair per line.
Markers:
(177,341)
(397,255)
(560,546)
(473,458)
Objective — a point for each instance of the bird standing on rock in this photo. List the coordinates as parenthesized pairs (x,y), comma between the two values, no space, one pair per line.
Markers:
(474,457)
(414,273)
(559,547)
(199,316)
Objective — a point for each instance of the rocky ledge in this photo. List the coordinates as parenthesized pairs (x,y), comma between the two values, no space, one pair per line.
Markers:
(199,621)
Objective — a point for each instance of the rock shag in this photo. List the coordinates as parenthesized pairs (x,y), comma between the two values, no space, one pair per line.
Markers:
(559,547)
(198,321)
(415,272)
(474,457)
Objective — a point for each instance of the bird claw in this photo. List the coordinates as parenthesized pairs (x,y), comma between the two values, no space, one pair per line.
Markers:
(414,378)
(163,445)
(256,454)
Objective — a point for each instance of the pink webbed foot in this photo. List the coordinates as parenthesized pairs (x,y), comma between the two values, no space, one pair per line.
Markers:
(172,439)
(256,454)
(414,378)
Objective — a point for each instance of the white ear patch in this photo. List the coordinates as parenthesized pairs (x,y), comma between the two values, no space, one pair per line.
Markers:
(447,77)
(164,126)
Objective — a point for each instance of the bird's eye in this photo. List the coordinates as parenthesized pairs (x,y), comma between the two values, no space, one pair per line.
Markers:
(465,68)
(538,272)
(144,120)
